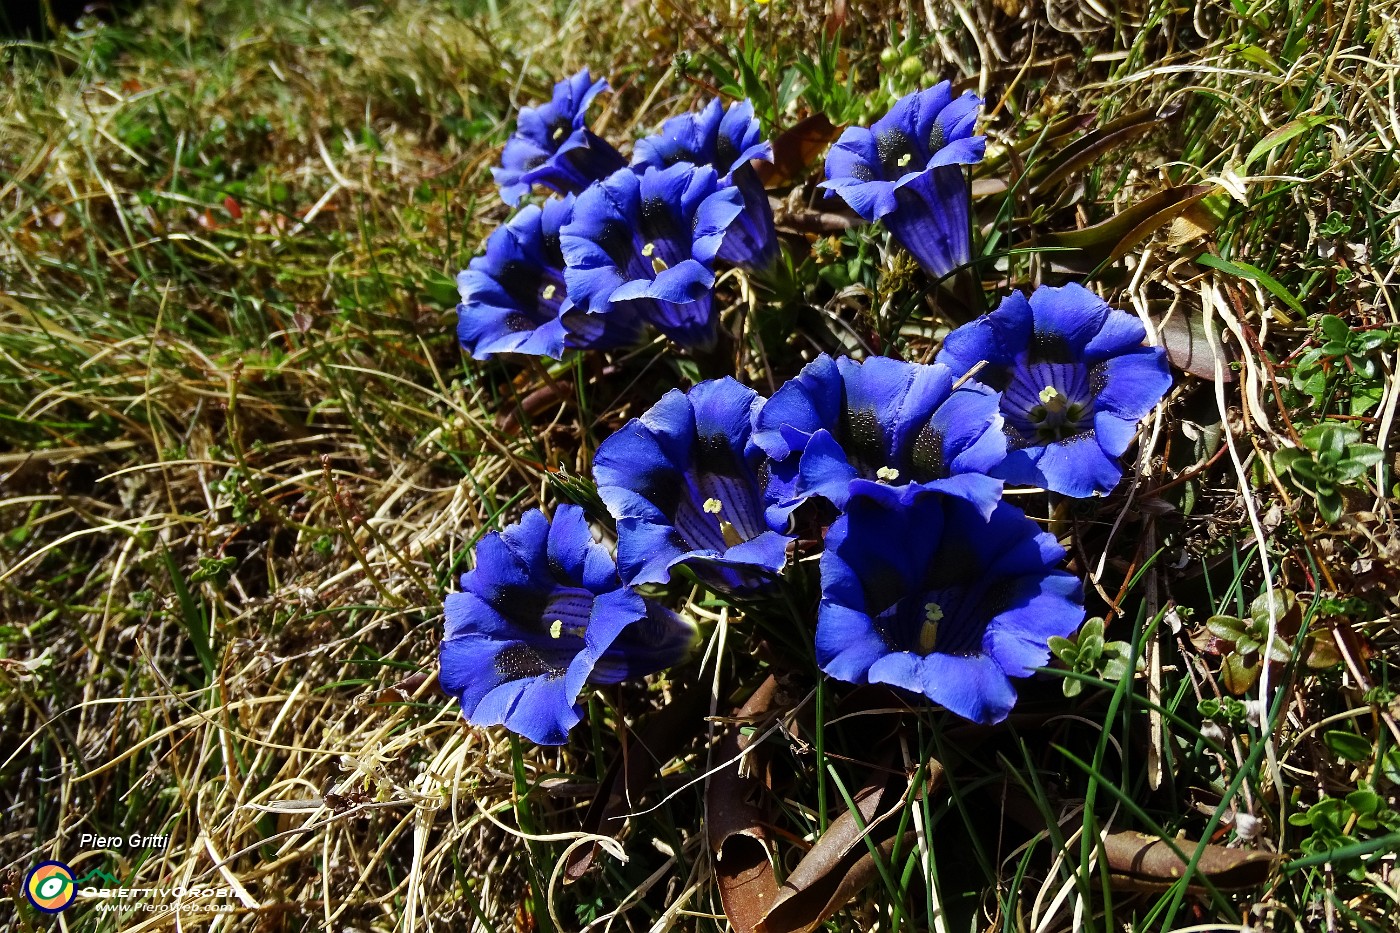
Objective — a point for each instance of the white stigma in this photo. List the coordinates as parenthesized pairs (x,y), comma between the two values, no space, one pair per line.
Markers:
(888,474)
(713,506)
(558,134)
(556,628)
(548,293)
(904,160)
(648,249)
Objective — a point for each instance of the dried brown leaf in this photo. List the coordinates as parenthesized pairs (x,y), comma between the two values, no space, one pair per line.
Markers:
(1141,862)
(735,826)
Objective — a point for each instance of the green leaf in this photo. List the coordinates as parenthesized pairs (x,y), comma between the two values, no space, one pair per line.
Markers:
(1244,270)
(1334,328)
(1347,745)
(1239,677)
(1390,765)
(1367,455)
(1115,669)
(1227,627)
(1284,134)
(1330,505)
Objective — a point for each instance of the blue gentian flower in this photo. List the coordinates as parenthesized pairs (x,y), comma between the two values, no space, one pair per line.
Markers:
(1075,380)
(729,141)
(648,241)
(685,482)
(941,594)
(882,419)
(906,171)
(551,146)
(514,299)
(542,614)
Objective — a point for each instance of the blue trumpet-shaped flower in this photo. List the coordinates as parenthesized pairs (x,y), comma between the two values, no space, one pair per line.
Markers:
(906,171)
(542,614)
(942,594)
(647,242)
(1075,380)
(686,484)
(551,146)
(882,419)
(514,299)
(729,141)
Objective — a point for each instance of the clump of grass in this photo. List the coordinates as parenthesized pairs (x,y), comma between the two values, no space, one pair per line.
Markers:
(243,460)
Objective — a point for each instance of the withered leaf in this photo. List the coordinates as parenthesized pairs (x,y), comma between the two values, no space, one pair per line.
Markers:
(840,863)
(1188,348)
(1107,242)
(1092,146)
(802,914)
(794,149)
(656,740)
(1141,862)
(735,825)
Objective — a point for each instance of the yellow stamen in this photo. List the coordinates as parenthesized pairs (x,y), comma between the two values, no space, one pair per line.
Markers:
(928,632)
(1053,399)
(731,534)
(888,474)
(658,265)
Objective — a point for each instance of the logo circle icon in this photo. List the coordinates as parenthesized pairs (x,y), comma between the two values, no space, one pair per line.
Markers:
(50,886)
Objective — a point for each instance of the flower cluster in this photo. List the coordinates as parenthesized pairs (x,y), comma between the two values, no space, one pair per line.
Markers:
(618,246)
(931,581)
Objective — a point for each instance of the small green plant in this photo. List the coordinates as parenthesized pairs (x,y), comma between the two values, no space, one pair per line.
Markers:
(1226,710)
(1344,364)
(1241,641)
(1331,460)
(1332,818)
(1088,653)
(214,569)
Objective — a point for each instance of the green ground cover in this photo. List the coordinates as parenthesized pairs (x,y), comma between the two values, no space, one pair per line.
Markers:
(242,460)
